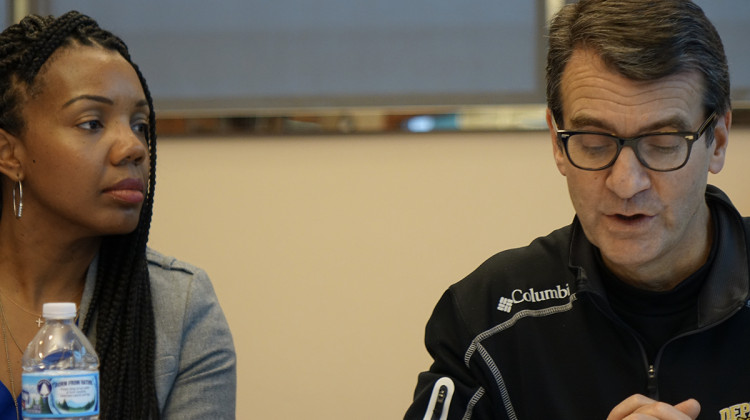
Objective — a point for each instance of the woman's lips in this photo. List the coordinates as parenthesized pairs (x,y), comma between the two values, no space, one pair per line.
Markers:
(128,190)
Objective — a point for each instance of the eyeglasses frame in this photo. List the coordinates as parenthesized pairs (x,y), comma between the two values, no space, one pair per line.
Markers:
(691,137)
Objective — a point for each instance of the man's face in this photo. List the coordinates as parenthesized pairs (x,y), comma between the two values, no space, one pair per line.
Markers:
(652,227)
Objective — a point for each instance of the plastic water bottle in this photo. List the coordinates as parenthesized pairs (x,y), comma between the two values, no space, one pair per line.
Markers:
(60,376)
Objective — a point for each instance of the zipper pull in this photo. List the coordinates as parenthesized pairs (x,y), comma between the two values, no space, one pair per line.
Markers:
(653,390)
(440,400)
(437,412)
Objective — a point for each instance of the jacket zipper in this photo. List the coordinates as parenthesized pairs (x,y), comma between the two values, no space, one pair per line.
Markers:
(653,387)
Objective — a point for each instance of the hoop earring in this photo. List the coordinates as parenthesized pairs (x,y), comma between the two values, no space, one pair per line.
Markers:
(18,208)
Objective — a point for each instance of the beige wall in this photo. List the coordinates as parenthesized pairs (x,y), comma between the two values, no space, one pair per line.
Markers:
(328,253)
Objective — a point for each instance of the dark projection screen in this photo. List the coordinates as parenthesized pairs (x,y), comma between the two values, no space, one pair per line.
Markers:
(240,55)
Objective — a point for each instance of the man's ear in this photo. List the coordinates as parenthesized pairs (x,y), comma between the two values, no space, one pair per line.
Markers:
(721,141)
(557,150)
(10,164)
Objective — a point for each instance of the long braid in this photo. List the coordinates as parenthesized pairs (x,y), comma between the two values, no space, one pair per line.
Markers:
(121,307)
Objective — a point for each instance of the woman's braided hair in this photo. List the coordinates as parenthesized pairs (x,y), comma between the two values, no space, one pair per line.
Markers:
(121,310)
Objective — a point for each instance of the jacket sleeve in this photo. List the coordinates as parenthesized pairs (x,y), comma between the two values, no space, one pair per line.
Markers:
(205,379)
(451,390)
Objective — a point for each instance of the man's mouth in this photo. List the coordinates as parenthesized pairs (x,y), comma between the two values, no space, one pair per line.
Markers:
(631,217)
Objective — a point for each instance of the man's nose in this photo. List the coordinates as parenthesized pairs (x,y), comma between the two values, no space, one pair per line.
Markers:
(627,176)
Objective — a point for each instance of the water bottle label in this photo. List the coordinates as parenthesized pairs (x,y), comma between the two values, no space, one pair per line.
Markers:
(68,394)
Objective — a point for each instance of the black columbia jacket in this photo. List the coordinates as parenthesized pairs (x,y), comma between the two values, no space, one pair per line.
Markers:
(530,335)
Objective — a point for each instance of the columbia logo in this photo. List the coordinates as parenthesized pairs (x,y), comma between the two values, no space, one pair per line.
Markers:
(517,296)
(504,304)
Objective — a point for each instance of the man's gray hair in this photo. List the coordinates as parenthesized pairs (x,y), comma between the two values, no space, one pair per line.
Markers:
(643,40)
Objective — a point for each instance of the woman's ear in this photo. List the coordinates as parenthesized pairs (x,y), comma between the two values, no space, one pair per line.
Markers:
(10,164)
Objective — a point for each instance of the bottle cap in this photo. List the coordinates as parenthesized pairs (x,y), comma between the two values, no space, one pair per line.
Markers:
(59,310)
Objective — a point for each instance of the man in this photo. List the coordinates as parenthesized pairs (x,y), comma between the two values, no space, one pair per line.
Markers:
(639,308)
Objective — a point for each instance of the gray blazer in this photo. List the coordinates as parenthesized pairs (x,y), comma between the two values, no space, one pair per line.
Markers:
(196,375)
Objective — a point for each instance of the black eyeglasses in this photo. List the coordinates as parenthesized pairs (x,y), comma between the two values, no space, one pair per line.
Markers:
(663,152)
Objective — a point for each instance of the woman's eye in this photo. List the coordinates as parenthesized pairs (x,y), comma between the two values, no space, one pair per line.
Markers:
(140,128)
(91,125)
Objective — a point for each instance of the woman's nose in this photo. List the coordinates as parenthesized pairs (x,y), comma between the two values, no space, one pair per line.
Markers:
(129,146)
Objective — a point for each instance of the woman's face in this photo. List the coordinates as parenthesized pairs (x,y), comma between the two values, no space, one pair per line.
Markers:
(83,152)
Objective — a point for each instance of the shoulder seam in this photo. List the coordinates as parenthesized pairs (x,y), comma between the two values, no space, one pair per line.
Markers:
(170,264)
(512,321)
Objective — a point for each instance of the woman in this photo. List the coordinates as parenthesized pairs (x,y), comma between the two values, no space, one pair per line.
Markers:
(77,158)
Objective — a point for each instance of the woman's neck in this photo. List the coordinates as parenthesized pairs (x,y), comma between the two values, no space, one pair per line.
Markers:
(37,268)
